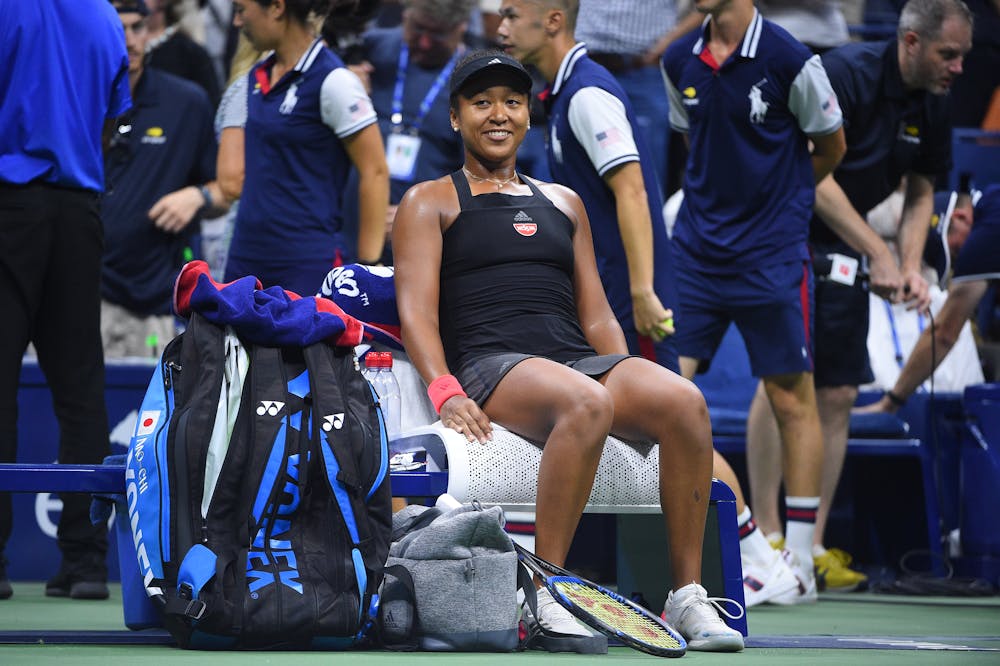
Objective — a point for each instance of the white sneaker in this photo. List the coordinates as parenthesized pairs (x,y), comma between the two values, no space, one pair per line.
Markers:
(693,613)
(762,581)
(556,630)
(805,591)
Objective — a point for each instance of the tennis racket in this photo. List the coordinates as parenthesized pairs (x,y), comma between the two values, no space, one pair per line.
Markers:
(606,611)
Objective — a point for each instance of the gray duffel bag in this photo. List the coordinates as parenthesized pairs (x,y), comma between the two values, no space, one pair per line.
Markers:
(450,582)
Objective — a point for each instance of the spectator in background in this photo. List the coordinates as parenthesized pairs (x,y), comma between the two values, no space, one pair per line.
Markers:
(172,50)
(751,99)
(409,75)
(819,24)
(627,37)
(308,120)
(161,173)
(65,75)
(896,117)
(220,35)
(894,330)
(976,265)
(230,122)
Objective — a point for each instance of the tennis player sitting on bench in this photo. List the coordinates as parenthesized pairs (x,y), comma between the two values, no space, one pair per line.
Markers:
(497,283)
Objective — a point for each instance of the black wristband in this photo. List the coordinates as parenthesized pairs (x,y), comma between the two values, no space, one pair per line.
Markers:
(895,399)
(206,194)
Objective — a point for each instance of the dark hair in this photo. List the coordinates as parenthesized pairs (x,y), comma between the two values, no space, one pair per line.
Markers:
(301,10)
(473,65)
(344,25)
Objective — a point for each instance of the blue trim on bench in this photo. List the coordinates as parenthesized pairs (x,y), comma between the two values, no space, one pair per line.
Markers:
(110,479)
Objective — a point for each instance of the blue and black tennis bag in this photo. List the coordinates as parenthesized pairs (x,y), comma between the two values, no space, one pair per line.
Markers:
(258,493)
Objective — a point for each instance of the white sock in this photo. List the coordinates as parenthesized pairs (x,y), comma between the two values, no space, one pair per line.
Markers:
(800,527)
(753,545)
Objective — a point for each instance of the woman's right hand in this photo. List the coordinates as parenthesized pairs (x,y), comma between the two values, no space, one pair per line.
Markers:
(464,416)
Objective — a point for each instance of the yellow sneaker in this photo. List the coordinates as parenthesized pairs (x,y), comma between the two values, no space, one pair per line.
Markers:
(833,573)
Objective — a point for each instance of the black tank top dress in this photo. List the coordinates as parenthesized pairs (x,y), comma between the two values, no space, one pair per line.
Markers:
(507,289)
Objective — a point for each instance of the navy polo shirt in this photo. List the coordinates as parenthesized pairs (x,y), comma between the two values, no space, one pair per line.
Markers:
(296,166)
(65,70)
(890,130)
(571,165)
(749,186)
(169,145)
(979,258)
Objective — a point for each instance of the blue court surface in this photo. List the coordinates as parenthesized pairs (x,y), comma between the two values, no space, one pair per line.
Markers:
(875,629)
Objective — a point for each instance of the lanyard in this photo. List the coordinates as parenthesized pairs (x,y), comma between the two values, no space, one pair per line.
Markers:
(895,335)
(397,94)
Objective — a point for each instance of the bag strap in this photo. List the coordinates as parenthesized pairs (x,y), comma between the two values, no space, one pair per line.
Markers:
(329,401)
(417,522)
(525,582)
(409,594)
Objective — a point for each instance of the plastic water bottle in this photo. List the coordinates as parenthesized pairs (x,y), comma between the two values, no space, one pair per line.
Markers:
(370,367)
(387,387)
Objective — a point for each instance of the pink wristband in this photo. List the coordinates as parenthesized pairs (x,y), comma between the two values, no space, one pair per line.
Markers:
(442,388)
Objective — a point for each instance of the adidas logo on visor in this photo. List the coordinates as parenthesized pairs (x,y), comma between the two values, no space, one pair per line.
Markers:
(495,61)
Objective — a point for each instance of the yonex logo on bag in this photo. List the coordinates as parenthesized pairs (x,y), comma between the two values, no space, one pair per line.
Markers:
(269,407)
(333,422)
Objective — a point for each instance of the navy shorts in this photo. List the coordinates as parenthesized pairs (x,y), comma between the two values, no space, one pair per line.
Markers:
(841,329)
(771,307)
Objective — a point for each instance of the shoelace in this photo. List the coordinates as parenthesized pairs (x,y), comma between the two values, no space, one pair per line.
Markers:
(702,603)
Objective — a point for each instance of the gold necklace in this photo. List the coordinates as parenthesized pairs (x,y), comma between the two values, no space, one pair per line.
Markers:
(496,181)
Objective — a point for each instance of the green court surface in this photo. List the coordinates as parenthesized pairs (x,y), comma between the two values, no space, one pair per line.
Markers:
(861,627)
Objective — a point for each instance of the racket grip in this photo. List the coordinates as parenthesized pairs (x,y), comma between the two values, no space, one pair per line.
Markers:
(446,502)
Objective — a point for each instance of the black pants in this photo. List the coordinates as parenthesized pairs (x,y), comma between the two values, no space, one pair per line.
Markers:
(51,240)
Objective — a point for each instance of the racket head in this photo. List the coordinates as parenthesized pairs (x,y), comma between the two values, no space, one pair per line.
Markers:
(615,616)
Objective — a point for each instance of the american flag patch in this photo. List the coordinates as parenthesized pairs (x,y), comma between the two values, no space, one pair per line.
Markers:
(608,137)
(830,106)
(359,110)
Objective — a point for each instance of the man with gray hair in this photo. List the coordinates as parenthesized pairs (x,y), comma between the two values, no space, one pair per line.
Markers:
(896,119)
(411,65)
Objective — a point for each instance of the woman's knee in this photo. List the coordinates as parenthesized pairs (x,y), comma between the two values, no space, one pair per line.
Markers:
(590,409)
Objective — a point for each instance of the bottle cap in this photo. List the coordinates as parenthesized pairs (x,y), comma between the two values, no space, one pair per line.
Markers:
(387,360)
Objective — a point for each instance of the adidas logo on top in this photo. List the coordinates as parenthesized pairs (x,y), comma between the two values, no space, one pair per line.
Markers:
(522,217)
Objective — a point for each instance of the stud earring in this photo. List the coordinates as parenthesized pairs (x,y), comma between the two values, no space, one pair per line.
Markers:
(454,128)
(529,125)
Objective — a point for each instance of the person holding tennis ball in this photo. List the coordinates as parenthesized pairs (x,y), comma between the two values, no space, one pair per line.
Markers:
(503,315)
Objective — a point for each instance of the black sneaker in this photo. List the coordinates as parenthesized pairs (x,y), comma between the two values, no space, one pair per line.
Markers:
(77,585)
